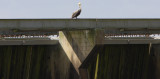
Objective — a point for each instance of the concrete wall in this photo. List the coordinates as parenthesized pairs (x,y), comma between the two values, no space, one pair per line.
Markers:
(126,62)
(155,62)
(51,62)
(35,62)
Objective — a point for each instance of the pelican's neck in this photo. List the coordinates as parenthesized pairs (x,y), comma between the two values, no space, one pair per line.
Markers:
(80,7)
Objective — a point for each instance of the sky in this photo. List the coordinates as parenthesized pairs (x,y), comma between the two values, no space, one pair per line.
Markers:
(26,9)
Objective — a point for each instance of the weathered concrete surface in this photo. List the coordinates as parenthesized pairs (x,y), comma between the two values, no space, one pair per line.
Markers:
(61,66)
(78,45)
(35,62)
(122,62)
(59,24)
(69,51)
(51,62)
(28,42)
(126,61)
(130,41)
(155,61)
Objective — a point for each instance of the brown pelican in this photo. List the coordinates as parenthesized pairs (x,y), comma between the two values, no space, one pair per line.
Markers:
(77,13)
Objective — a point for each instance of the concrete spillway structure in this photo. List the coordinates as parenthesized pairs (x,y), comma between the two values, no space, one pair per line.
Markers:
(81,40)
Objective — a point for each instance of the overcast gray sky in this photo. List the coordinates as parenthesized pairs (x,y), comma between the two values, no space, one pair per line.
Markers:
(90,8)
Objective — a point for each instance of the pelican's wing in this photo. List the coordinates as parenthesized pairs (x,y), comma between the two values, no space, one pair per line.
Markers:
(76,13)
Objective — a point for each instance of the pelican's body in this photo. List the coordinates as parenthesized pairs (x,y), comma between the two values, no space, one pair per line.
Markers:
(77,13)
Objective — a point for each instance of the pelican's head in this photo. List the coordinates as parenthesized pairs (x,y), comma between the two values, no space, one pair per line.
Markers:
(79,4)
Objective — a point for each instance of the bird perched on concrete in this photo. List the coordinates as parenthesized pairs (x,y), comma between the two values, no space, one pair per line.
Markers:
(77,13)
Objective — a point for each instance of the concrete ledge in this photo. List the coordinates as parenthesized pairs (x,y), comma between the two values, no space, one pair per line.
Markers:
(131,41)
(28,42)
(69,24)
